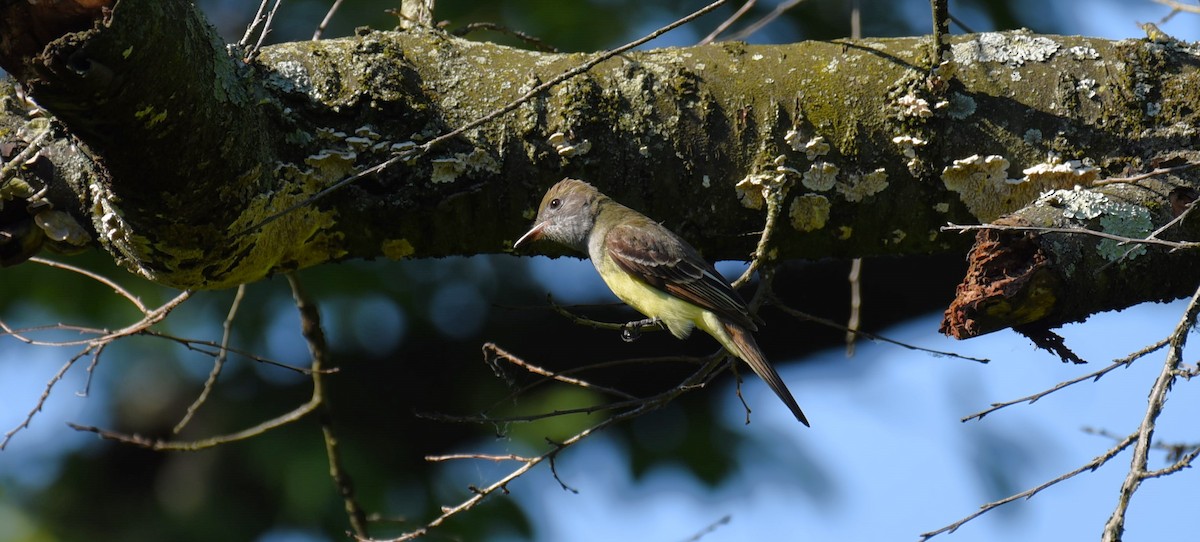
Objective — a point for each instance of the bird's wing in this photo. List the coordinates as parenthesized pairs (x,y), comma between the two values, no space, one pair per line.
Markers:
(658,257)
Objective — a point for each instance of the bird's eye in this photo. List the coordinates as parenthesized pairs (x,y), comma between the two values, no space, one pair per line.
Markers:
(555,203)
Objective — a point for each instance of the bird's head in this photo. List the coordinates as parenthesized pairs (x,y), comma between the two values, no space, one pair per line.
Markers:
(566,216)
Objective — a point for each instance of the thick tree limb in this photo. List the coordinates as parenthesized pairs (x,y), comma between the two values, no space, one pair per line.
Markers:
(196,147)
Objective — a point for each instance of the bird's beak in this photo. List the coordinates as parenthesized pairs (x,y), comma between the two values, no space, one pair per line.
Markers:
(533,234)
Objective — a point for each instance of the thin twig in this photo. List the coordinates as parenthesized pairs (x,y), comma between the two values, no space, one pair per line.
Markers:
(325,21)
(855,319)
(8,170)
(1143,176)
(1154,234)
(1115,526)
(597,324)
(710,528)
(152,317)
(262,35)
(728,22)
(492,351)
(767,19)
(1179,6)
(537,43)
(779,304)
(41,402)
(190,446)
(1092,465)
(318,348)
(487,457)
(1173,245)
(218,362)
(774,194)
(96,277)
(1093,376)
(640,408)
(259,17)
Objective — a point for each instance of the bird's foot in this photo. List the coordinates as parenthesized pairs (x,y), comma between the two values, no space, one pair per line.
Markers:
(630,331)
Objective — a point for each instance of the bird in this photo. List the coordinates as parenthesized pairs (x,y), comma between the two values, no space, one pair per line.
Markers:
(655,271)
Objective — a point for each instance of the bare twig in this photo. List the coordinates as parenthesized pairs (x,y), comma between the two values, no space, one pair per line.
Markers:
(1179,6)
(262,34)
(779,304)
(711,528)
(494,458)
(9,169)
(1093,376)
(1092,465)
(316,372)
(596,324)
(259,18)
(1115,527)
(773,194)
(1143,176)
(218,362)
(638,408)
(493,352)
(728,22)
(767,19)
(1173,245)
(537,43)
(852,323)
(41,402)
(318,348)
(325,21)
(98,278)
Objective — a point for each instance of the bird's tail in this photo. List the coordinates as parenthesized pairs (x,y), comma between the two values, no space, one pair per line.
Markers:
(746,348)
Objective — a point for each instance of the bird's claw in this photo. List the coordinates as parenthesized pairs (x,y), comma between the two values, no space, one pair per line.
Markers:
(630,331)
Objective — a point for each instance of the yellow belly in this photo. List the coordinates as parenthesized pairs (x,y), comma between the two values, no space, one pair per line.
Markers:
(679,316)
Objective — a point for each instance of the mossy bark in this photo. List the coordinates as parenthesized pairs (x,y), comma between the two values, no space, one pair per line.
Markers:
(879,150)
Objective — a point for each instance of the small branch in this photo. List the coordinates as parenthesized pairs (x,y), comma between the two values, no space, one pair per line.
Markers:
(218,362)
(537,43)
(1143,176)
(779,304)
(774,195)
(1179,6)
(767,19)
(9,169)
(852,324)
(711,528)
(1173,245)
(41,402)
(941,31)
(554,469)
(1093,376)
(318,348)
(1138,472)
(325,21)
(492,352)
(495,458)
(596,324)
(728,22)
(98,278)
(638,408)
(259,18)
(262,34)
(1092,465)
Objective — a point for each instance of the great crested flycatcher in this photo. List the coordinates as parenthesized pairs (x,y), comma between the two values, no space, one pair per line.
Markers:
(654,271)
